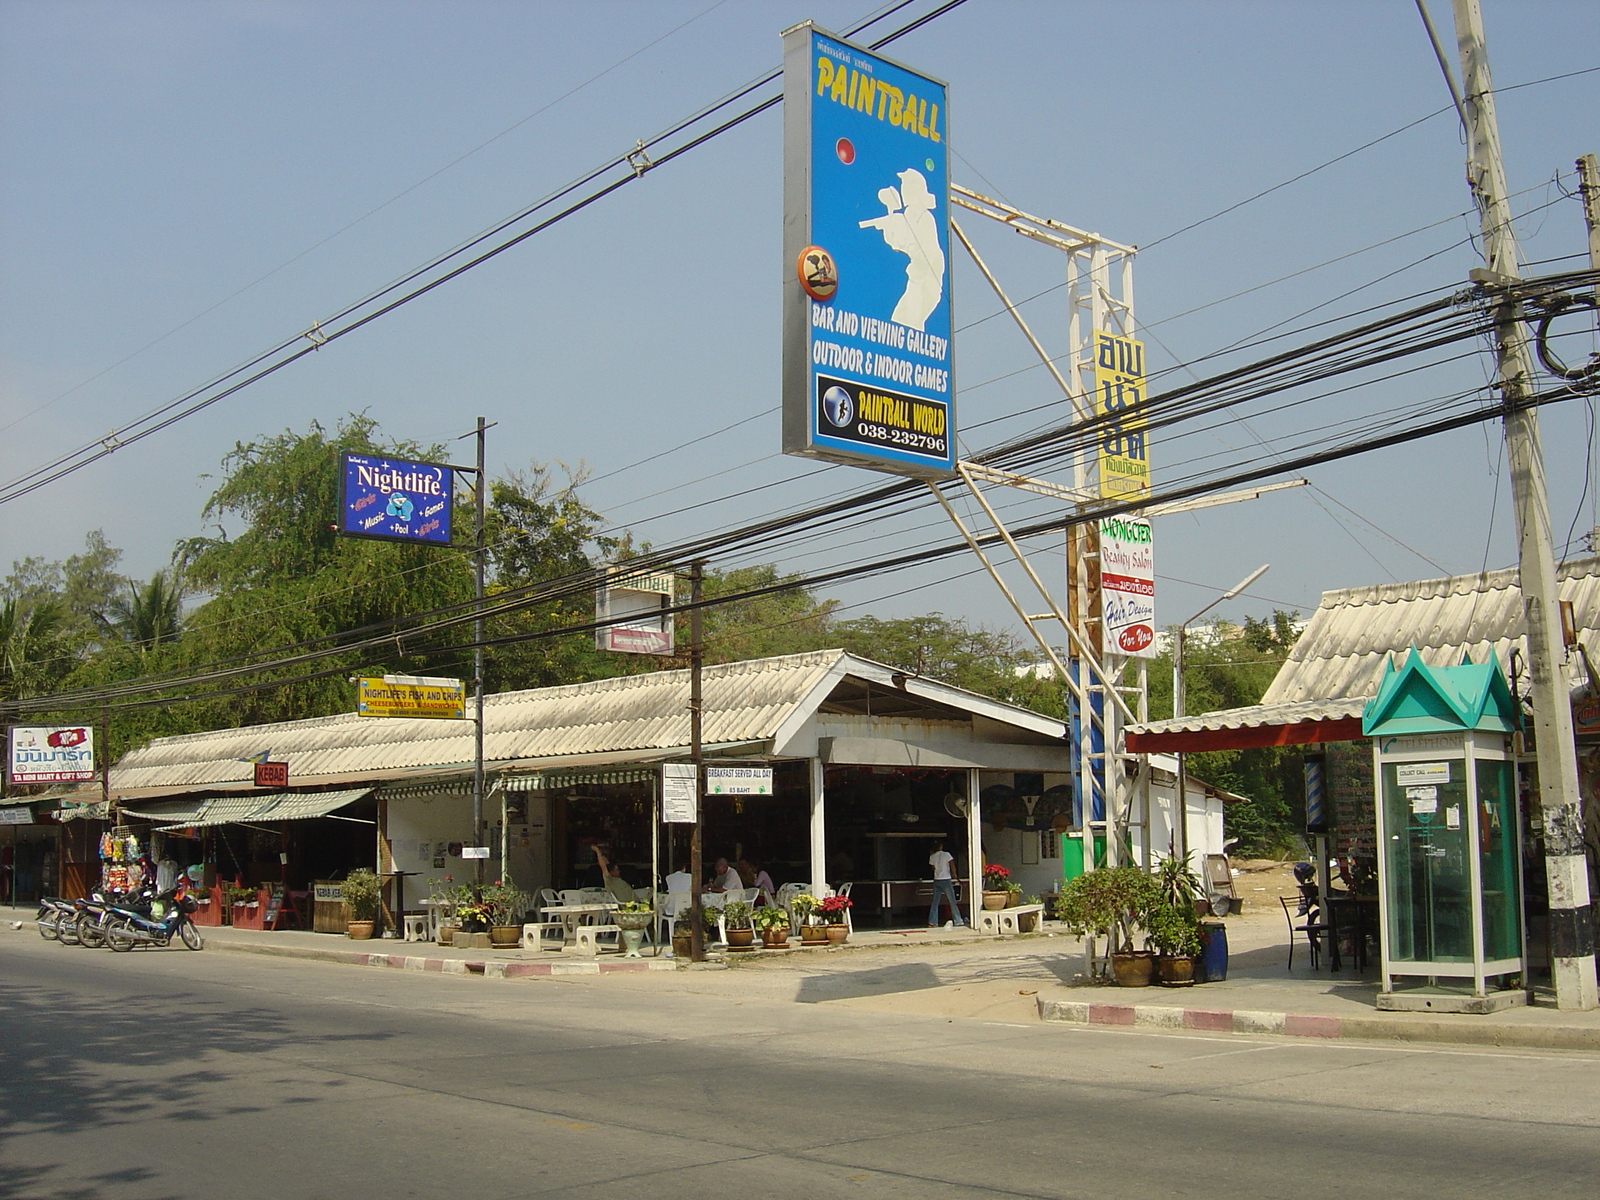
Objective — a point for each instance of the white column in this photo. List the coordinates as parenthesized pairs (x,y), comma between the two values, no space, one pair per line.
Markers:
(974,896)
(819,830)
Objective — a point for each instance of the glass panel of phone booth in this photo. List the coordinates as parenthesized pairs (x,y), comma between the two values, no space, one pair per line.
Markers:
(1430,884)
(1497,861)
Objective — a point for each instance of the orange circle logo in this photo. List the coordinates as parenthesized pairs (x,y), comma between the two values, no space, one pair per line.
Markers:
(819,275)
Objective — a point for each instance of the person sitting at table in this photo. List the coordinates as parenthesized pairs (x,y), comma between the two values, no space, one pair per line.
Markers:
(758,879)
(619,887)
(726,879)
(679,881)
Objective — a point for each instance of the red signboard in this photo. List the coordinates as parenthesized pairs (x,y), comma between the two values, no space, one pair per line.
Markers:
(272,774)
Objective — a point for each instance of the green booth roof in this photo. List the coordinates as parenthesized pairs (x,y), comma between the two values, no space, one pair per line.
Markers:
(1417,698)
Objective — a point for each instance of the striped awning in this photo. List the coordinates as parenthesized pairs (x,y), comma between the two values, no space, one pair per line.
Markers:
(597,777)
(249,810)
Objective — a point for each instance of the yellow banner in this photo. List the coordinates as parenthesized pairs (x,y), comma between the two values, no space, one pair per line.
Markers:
(436,700)
(1119,398)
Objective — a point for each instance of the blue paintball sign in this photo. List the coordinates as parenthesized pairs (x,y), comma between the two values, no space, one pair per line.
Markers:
(396,500)
(867,314)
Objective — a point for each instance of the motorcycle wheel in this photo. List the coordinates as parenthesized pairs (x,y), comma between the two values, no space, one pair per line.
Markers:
(90,933)
(120,938)
(191,936)
(67,929)
(47,926)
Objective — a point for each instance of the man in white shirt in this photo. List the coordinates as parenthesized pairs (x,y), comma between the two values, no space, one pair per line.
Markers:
(944,886)
(726,878)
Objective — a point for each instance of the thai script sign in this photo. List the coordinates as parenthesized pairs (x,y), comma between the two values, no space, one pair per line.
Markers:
(50,754)
(866,315)
(642,602)
(396,500)
(411,696)
(1127,587)
(1119,403)
(738,781)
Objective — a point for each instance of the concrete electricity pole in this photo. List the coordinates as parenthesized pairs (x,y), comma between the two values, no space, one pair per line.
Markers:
(1571,917)
(1589,192)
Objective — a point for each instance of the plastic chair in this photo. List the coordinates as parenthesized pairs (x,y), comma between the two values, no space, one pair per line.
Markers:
(844,890)
(1314,931)
(548,898)
(571,896)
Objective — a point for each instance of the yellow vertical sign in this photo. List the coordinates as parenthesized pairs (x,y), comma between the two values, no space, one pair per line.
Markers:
(1119,402)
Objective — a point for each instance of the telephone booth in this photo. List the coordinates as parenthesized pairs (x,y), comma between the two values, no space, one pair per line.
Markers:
(1449,859)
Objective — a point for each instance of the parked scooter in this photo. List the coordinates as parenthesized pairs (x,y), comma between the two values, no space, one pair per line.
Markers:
(52,912)
(169,917)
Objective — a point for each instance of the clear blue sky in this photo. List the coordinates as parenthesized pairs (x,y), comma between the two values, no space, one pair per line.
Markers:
(184,184)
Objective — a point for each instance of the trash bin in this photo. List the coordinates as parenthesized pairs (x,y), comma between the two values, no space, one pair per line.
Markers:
(1213,952)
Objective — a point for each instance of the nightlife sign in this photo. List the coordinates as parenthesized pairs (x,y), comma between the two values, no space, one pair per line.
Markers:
(396,500)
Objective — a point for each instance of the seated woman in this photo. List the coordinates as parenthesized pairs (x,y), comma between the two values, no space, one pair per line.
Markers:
(758,878)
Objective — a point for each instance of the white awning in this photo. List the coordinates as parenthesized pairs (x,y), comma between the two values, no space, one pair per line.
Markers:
(243,810)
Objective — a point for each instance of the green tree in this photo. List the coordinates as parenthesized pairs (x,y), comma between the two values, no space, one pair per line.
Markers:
(147,615)
(34,653)
(1231,666)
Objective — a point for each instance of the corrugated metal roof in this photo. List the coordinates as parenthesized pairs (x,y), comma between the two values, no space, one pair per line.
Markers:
(1258,715)
(233,810)
(1340,654)
(610,720)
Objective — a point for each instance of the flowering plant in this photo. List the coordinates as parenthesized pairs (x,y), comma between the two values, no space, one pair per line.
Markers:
(504,903)
(770,917)
(833,909)
(996,878)
(802,905)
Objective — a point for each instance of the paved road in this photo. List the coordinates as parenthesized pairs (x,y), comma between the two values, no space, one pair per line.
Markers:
(161,1075)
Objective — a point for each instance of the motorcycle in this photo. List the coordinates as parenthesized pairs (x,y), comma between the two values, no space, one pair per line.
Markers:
(52,912)
(127,927)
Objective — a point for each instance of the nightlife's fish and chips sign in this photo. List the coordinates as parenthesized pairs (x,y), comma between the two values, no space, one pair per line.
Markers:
(867,315)
(1127,587)
(395,499)
(50,754)
(1119,403)
(412,696)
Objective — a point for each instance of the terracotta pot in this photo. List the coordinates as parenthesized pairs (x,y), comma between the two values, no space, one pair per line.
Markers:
(447,934)
(1175,970)
(505,937)
(993,901)
(1132,970)
(813,935)
(359,930)
(775,939)
(1028,923)
(741,939)
(837,934)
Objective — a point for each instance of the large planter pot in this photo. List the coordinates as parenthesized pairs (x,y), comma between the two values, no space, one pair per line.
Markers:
(741,939)
(1027,922)
(813,935)
(505,937)
(1132,970)
(837,934)
(360,930)
(682,947)
(447,934)
(775,939)
(1175,970)
(994,901)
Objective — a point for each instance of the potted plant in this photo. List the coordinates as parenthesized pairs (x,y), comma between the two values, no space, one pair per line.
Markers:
(683,931)
(1028,922)
(773,922)
(802,911)
(1179,885)
(360,890)
(445,897)
(1175,933)
(505,905)
(633,917)
(1112,902)
(832,912)
(736,922)
(996,887)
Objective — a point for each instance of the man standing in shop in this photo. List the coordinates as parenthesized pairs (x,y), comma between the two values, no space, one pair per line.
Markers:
(944,886)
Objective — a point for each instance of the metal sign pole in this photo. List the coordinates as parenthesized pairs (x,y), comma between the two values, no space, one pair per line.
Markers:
(477,666)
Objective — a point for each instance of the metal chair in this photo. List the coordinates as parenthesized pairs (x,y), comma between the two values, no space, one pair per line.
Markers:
(1313,929)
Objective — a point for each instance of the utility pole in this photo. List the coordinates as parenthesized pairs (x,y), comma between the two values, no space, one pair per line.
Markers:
(697,655)
(1571,932)
(479,509)
(1589,192)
